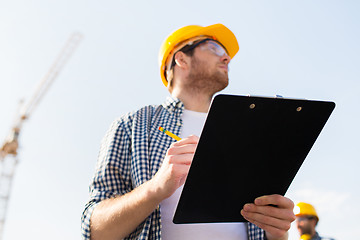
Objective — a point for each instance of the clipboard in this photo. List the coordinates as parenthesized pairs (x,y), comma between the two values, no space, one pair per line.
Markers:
(249,147)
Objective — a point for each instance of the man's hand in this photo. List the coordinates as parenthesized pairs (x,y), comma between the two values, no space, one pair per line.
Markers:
(175,167)
(116,218)
(272,213)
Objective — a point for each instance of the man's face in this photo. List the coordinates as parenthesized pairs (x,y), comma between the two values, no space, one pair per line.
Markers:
(306,224)
(209,69)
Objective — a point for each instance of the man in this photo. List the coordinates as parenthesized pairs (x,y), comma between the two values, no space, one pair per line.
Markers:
(141,170)
(306,221)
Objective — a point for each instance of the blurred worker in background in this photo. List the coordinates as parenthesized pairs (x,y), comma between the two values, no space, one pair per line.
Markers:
(306,221)
(141,171)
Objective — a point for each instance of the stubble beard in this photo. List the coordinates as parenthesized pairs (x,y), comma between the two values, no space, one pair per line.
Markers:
(202,79)
(305,230)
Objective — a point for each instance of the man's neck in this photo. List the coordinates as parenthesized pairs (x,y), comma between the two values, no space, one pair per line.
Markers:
(194,102)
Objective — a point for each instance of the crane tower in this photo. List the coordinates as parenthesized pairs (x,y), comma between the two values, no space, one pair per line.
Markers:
(9,148)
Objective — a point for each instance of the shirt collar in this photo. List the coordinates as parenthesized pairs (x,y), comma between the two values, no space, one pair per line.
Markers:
(316,236)
(173,103)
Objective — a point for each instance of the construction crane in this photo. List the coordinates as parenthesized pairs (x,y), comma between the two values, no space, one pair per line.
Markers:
(9,149)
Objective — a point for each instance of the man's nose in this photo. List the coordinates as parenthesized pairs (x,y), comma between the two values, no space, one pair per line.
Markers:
(225,58)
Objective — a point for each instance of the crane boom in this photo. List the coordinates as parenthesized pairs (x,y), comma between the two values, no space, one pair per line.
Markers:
(8,150)
(50,76)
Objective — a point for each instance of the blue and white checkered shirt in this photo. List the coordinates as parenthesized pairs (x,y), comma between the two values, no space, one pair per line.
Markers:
(131,153)
(317,237)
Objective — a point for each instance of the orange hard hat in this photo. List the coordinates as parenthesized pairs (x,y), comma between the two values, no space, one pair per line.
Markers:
(217,32)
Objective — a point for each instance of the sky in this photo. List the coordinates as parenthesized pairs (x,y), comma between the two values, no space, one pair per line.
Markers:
(300,49)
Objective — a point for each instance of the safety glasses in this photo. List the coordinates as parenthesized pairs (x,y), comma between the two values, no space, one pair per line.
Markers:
(307,218)
(211,45)
(205,44)
(214,47)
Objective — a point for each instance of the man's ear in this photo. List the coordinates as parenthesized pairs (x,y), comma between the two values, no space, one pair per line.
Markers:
(181,59)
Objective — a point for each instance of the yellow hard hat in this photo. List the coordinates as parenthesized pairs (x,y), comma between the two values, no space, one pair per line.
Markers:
(218,32)
(303,208)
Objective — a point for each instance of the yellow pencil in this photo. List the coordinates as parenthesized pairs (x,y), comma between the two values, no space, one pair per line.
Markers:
(169,134)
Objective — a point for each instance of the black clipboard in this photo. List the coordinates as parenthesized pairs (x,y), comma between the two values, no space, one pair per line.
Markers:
(249,147)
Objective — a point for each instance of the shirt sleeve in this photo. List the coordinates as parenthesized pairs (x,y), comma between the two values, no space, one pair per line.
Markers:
(255,233)
(112,174)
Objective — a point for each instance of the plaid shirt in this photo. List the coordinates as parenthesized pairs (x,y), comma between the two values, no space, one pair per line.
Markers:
(131,153)
(317,237)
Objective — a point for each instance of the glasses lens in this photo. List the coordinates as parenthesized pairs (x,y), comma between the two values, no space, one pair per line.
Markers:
(214,47)
(300,219)
(205,44)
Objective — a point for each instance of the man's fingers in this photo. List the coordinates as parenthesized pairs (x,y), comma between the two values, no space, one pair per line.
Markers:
(275,221)
(275,199)
(192,139)
(274,212)
(269,220)
(180,159)
(270,230)
(181,149)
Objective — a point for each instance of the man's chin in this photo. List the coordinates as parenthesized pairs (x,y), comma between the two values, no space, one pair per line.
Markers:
(220,86)
(303,232)
(224,83)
